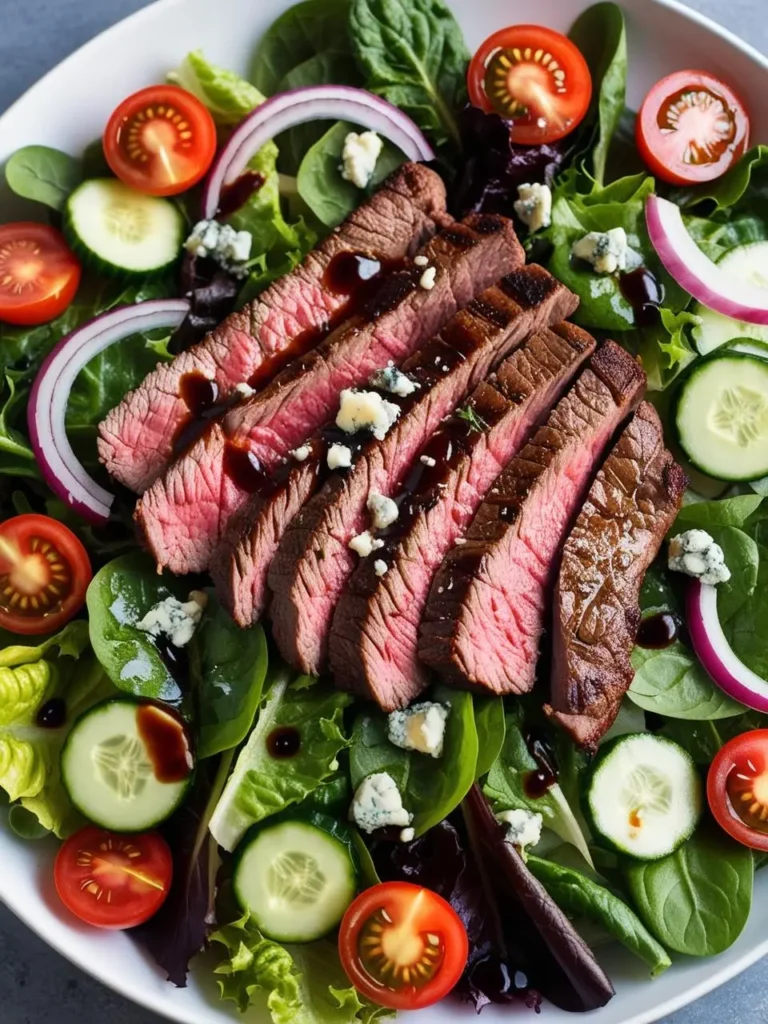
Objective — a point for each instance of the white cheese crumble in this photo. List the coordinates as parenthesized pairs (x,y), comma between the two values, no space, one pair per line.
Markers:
(220,242)
(383,510)
(378,803)
(339,457)
(420,727)
(523,827)
(380,567)
(607,251)
(392,380)
(696,554)
(244,389)
(359,156)
(534,207)
(421,261)
(366,410)
(427,279)
(427,460)
(175,619)
(302,453)
(365,544)
(407,835)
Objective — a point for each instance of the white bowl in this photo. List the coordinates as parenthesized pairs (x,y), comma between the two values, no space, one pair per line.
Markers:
(68,109)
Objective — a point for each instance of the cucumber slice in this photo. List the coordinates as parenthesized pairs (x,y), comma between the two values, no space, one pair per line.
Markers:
(126,764)
(121,231)
(643,796)
(759,349)
(745,263)
(721,417)
(296,876)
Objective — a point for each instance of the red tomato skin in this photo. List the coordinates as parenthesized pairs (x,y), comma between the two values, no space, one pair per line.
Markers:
(18,531)
(192,165)
(439,916)
(658,154)
(752,746)
(70,874)
(63,267)
(571,108)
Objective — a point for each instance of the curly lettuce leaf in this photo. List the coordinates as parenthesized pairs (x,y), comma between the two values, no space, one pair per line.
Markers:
(228,96)
(666,349)
(261,784)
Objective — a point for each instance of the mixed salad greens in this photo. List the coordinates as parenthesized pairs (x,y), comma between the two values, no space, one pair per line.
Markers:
(190,774)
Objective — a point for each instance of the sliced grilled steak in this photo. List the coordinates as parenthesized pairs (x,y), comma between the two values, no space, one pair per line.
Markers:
(140,437)
(314,562)
(375,635)
(184,514)
(485,613)
(630,507)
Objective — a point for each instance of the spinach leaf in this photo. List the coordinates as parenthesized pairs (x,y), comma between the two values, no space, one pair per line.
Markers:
(118,597)
(581,897)
(742,556)
(229,97)
(16,455)
(261,784)
(320,184)
(747,630)
(505,788)
(697,900)
(672,682)
(704,515)
(232,668)
(430,787)
(600,33)
(414,55)
(702,740)
(43,174)
(491,729)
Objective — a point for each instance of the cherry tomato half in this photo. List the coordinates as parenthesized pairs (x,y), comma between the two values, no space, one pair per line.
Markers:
(691,128)
(160,140)
(113,881)
(535,78)
(402,946)
(39,275)
(737,788)
(44,574)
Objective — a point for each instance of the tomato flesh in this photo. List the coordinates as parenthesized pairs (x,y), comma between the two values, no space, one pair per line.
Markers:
(737,788)
(402,946)
(44,574)
(160,140)
(692,128)
(113,881)
(535,78)
(39,275)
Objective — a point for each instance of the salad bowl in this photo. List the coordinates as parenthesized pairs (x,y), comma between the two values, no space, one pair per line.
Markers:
(662,36)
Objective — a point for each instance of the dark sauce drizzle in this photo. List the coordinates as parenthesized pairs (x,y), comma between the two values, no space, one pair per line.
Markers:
(659,631)
(645,294)
(53,714)
(284,742)
(236,195)
(166,741)
(538,782)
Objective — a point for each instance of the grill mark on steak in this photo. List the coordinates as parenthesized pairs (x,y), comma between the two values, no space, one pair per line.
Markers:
(305,590)
(185,513)
(630,507)
(374,640)
(137,438)
(486,609)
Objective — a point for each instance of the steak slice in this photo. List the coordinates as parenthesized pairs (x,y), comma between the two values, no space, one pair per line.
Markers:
(485,613)
(375,635)
(184,514)
(139,437)
(306,587)
(630,507)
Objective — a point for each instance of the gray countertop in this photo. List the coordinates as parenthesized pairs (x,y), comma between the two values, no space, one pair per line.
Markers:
(36,985)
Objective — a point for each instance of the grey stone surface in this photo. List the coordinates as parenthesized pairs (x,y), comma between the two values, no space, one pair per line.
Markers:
(36,985)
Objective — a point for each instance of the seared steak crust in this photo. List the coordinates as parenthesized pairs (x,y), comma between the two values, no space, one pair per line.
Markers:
(137,438)
(486,609)
(630,507)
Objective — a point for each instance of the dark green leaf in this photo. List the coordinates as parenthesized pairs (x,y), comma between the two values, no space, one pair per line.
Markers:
(749,175)
(672,682)
(25,824)
(702,740)
(703,515)
(666,349)
(491,729)
(43,174)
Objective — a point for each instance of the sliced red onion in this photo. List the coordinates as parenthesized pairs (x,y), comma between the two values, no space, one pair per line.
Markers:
(315,103)
(716,654)
(47,408)
(694,271)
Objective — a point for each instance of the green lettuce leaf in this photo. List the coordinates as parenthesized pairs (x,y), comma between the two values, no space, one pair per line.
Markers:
(70,642)
(666,350)
(261,784)
(16,455)
(229,97)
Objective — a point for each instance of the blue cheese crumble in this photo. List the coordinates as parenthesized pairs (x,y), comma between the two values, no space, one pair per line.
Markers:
(220,242)
(534,207)
(696,554)
(359,157)
(384,511)
(420,727)
(339,457)
(523,827)
(393,380)
(607,251)
(378,803)
(174,619)
(366,410)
